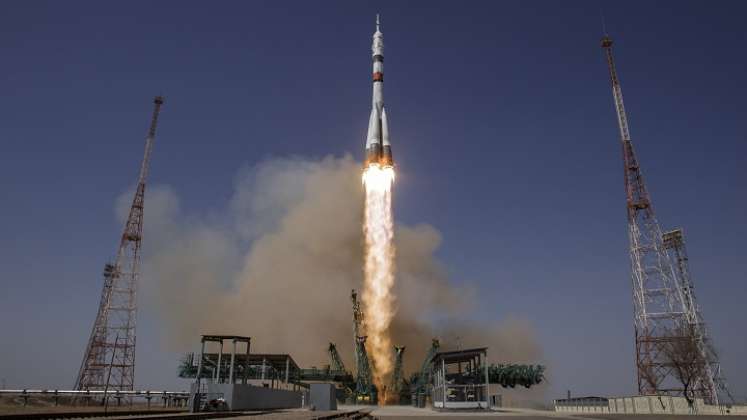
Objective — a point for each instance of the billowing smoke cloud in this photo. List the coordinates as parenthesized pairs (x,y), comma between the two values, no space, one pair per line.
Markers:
(278,263)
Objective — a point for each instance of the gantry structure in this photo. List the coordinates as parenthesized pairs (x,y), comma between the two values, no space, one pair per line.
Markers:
(365,390)
(399,375)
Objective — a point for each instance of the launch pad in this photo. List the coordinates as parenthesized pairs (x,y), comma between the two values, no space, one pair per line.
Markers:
(446,379)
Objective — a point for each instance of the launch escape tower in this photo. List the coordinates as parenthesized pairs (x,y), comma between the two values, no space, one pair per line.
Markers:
(665,311)
(109,358)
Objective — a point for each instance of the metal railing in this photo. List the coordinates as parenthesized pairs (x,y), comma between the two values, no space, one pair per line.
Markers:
(169,398)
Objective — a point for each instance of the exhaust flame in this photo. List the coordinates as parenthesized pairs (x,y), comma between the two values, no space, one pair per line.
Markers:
(378,296)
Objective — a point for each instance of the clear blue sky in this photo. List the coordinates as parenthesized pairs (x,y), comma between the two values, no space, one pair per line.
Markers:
(502,125)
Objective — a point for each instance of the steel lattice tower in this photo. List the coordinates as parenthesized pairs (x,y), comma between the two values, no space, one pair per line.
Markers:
(712,380)
(109,358)
(364,382)
(663,302)
(399,373)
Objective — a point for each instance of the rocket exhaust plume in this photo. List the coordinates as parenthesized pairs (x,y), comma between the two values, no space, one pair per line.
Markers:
(378,293)
(378,228)
(257,257)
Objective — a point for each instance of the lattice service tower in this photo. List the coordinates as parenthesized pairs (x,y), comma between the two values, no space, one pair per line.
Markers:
(364,389)
(109,357)
(674,243)
(663,303)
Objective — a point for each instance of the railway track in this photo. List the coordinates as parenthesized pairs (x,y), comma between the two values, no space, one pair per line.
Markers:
(170,415)
(353,415)
(88,414)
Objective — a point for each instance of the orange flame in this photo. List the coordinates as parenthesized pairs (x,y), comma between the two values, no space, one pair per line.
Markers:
(378,296)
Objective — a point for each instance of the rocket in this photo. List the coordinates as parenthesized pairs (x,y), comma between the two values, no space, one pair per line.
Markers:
(378,148)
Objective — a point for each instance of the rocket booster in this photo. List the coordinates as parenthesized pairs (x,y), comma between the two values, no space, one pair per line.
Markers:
(378,148)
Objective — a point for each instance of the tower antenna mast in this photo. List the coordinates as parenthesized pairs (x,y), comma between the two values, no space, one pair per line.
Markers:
(116,317)
(666,317)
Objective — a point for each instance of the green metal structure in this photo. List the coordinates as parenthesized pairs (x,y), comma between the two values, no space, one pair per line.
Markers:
(511,375)
(365,390)
(505,375)
(422,379)
(335,359)
(346,383)
(398,381)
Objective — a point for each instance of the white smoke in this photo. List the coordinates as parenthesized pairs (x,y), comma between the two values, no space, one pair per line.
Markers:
(277,262)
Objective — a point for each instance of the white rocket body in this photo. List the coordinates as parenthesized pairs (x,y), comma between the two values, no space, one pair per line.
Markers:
(378,148)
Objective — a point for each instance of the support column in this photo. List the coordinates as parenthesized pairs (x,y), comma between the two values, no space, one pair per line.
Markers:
(196,397)
(220,355)
(263,368)
(487,381)
(443,382)
(233,359)
(287,367)
(199,361)
(246,362)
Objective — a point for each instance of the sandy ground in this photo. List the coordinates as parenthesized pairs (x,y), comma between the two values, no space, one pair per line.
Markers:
(656,417)
(411,413)
(385,413)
